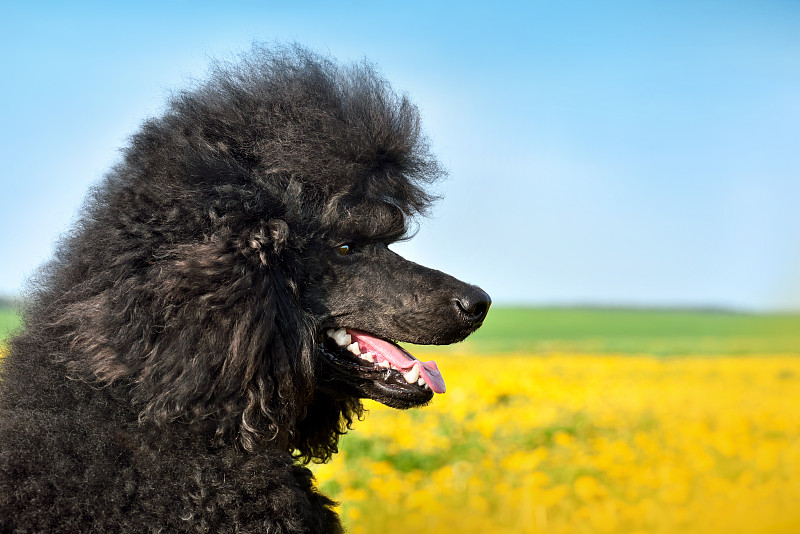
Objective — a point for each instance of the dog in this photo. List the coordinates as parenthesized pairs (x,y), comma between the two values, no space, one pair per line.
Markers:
(224,302)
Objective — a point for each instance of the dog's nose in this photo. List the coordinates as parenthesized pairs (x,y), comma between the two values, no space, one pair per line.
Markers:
(473,305)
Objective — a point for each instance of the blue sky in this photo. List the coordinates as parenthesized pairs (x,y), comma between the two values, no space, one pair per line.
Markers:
(643,153)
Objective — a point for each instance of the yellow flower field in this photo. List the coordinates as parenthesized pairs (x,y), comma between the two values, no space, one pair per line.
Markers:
(577,444)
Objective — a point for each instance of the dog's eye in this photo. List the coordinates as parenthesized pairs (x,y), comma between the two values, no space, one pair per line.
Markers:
(344,250)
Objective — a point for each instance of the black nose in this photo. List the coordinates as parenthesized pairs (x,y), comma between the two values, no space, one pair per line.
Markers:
(473,305)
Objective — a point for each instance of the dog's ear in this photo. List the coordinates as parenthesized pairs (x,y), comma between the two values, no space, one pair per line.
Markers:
(271,237)
(204,335)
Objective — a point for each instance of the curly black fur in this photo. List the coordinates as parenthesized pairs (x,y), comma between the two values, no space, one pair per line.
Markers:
(173,363)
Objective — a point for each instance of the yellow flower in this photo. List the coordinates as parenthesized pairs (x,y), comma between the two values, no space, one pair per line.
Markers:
(571,443)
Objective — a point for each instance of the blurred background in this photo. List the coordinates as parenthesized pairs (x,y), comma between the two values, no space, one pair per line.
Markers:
(624,181)
(600,153)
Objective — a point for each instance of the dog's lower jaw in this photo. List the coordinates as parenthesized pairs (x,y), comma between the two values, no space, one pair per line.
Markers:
(339,376)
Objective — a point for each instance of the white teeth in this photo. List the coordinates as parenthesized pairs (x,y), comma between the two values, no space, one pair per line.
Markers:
(341,337)
(413,375)
(345,340)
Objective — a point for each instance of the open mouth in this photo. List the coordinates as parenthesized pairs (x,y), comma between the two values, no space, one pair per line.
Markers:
(382,368)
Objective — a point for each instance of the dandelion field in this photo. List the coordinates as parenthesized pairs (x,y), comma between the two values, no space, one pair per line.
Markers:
(569,443)
(588,421)
(541,440)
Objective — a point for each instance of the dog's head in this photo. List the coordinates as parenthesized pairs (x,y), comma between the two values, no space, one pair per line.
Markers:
(365,298)
(235,266)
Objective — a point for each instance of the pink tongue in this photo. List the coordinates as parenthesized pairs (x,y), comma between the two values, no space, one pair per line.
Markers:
(399,358)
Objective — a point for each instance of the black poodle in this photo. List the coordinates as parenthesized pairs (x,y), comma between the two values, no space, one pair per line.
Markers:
(222,305)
